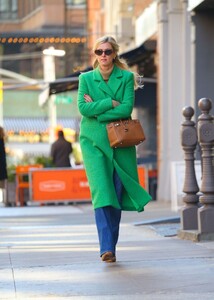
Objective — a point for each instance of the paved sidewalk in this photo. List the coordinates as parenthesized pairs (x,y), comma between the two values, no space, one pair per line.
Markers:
(52,253)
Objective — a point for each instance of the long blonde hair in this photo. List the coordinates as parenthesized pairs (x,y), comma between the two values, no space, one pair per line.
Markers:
(119,62)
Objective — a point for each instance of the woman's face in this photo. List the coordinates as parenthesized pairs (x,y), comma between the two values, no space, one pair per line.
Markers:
(105,55)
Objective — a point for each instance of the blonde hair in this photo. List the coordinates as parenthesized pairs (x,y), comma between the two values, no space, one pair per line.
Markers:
(119,62)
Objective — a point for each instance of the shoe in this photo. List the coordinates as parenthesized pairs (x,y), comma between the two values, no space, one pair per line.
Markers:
(108,257)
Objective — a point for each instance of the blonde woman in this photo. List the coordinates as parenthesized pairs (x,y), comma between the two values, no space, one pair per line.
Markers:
(106,94)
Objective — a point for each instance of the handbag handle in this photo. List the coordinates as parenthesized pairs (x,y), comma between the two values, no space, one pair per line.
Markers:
(124,122)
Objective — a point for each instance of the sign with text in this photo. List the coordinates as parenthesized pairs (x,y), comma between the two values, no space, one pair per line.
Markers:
(65,184)
(59,184)
(62,99)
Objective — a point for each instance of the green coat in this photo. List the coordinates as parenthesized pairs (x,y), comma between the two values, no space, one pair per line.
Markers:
(99,158)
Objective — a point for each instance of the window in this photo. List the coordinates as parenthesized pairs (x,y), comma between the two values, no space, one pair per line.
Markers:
(14,5)
(75,2)
(33,4)
(28,7)
(8,9)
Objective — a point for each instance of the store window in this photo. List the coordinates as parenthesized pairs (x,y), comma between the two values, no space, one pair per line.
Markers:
(8,9)
(75,2)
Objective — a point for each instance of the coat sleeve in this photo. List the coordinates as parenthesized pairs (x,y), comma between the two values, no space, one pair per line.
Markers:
(91,109)
(123,110)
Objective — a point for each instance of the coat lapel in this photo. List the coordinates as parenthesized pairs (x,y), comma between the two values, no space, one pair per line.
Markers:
(113,84)
(115,80)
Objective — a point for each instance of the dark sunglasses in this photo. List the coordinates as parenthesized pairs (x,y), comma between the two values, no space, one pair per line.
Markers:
(107,52)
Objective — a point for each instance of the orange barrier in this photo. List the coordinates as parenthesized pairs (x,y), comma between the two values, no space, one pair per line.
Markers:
(59,184)
(65,184)
(143,176)
(22,181)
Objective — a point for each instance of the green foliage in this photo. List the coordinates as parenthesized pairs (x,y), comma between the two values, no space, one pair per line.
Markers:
(46,161)
(11,172)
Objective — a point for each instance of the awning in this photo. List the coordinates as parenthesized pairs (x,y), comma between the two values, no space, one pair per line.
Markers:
(132,57)
(45,31)
(140,53)
(68,83)
(201,5)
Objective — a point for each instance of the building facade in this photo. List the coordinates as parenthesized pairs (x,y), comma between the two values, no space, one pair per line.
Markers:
(185,60)
(169,42)
(32,26)
(183,65)
(27,28)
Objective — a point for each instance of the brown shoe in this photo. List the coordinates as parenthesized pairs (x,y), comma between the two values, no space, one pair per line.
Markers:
(108,257)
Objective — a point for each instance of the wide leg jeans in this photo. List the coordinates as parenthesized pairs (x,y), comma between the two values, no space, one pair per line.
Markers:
(108,221)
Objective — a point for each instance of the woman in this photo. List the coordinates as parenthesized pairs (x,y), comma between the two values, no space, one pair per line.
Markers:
(3,165)
(107,94)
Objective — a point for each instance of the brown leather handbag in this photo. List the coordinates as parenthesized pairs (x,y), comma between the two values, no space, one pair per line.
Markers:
(125,133)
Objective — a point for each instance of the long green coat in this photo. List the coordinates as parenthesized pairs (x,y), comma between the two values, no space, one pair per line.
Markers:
(99,158)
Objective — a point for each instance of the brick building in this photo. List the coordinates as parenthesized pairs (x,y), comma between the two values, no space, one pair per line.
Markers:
(27,28)
(31,26)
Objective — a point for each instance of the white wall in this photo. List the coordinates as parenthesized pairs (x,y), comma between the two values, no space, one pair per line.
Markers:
(174,86)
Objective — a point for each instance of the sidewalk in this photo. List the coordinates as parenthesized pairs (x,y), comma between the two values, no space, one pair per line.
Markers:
(52,253)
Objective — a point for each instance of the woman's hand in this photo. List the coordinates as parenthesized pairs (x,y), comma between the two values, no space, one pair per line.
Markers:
(115,103)
(87,98)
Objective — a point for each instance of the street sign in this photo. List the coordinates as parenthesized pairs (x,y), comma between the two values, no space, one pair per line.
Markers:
(62,99)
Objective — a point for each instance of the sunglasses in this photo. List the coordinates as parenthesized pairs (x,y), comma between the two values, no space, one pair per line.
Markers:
(107,52)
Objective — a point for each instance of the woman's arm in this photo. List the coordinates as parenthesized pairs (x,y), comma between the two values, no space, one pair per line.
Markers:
(123,110)
(86,105)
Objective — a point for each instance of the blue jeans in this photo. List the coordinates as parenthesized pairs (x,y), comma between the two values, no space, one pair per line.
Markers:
(108,221)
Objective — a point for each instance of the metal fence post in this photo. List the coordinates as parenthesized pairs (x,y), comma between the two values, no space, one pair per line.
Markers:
(206,140)
(189,213)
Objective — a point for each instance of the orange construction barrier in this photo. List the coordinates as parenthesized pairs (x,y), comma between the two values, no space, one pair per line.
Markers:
(66,184)
(22,181)
(61,184)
